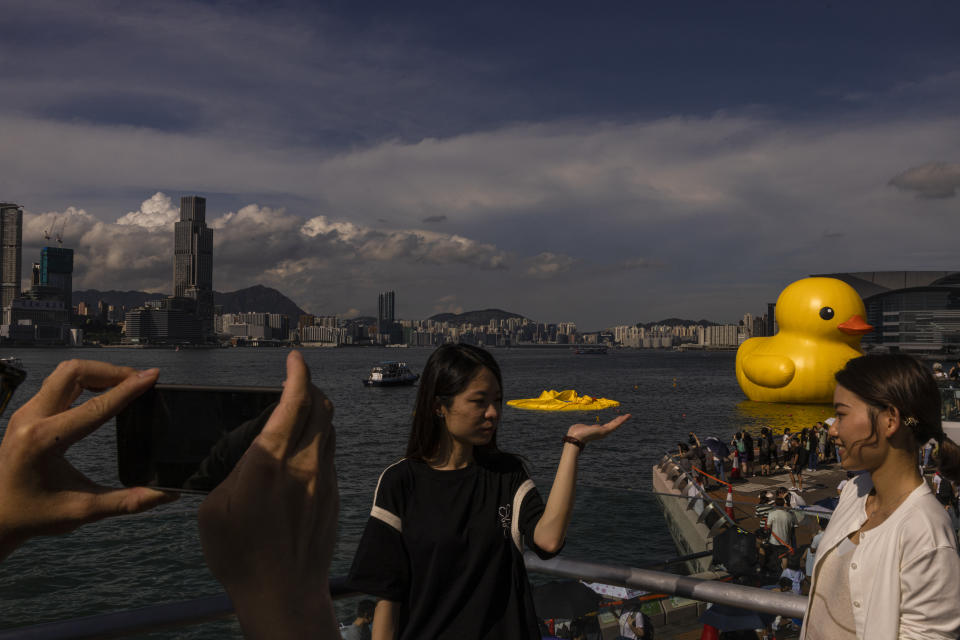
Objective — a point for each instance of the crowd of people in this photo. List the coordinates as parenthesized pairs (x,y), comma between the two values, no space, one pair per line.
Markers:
(747,457)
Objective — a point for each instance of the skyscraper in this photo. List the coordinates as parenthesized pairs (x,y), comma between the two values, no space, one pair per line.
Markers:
(388,329)
(193,259)
(11,243)
(386,311)
(56,270)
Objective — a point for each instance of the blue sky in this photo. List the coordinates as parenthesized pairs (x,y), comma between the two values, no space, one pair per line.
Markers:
(598,164)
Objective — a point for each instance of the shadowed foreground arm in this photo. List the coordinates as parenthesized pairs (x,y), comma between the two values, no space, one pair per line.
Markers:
(268,530)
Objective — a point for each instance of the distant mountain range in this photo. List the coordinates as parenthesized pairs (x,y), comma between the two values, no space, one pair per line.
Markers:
(483,316)
(257,298)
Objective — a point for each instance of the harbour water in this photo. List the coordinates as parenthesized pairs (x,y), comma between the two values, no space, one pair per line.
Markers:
(123,563)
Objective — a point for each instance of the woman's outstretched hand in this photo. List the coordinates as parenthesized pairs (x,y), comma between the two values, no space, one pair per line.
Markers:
(40,492)
(589,432)
(269,528)
(551,529)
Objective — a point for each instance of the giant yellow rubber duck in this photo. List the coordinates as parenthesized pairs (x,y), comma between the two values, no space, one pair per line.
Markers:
(821,321)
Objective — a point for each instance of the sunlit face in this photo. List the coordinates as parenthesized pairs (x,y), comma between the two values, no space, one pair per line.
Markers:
(474,413)
(861,447)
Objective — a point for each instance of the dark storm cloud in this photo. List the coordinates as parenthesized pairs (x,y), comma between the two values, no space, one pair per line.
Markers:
(158,111)
(654,161)
(341,76)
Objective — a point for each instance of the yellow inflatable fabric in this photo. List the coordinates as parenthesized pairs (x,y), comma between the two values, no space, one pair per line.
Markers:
(563,401)
(821,321)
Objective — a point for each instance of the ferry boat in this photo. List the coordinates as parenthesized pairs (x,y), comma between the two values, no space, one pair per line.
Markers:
(390,374)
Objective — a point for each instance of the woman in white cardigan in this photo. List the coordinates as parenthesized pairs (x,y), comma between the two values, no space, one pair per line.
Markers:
(887,566)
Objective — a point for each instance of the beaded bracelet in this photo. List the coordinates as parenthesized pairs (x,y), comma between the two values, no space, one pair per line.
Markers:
(580,444)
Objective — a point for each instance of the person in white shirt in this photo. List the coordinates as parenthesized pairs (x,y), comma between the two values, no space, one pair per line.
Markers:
(781,524)
(887,565)
(785,447)
(631,624)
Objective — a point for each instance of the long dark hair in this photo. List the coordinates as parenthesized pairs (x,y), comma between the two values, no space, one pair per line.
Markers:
(448,372)
(902,382)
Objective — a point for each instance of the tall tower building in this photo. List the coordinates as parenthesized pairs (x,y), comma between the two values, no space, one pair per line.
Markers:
(11,245)
(386,310)
(388,329)
(193,259)
(56,270)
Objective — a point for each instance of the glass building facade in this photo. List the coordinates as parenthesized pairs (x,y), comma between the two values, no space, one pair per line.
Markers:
(914,312)
(921,320)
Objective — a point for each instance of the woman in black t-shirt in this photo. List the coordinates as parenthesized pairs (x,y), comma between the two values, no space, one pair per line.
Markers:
(443,548)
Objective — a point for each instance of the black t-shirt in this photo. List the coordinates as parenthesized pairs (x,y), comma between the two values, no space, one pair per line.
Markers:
(447,545)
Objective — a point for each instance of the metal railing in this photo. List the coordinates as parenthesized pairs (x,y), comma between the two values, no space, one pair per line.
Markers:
(709,501)
(190,612)
(753,598)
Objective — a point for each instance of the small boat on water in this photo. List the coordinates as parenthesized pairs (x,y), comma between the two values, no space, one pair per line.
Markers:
(390,374)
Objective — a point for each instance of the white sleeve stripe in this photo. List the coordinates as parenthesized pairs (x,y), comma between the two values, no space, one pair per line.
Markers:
(518,497)
(387,517)
(380,479)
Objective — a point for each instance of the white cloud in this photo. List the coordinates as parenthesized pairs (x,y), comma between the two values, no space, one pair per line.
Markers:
(106,255)
(254,244)
(430,247)
(548,265)
(931,180)
(72,222)
(253,215)
(156,212)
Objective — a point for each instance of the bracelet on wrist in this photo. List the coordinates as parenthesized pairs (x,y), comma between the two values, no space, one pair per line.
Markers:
(580,444)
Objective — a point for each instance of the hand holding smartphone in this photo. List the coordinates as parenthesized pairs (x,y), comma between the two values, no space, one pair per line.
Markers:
(188,438)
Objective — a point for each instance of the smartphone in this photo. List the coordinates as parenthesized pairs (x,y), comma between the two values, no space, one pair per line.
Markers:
(188,438)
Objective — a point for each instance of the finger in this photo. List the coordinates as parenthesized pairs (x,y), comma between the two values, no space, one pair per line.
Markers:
(320,417)
(67,427)
(68,381)
(283,429)
(616,422)
(314,450)
(118,502)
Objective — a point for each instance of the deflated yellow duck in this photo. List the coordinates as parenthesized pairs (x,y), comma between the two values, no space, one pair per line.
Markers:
(821,321)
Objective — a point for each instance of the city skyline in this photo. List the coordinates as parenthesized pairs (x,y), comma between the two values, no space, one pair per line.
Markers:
(640,162)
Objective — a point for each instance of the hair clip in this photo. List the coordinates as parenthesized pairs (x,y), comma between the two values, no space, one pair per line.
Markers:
(911,422)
